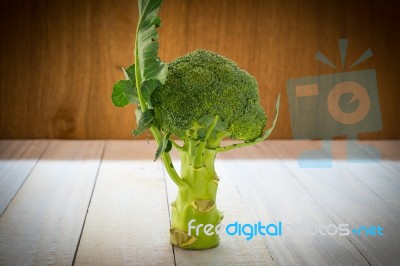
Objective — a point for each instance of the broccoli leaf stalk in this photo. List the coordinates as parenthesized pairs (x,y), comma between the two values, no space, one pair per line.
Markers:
(200,98)
(142,78)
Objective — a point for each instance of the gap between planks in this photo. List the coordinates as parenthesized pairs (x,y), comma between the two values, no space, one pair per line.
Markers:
(347,193)
(127,222)
(44,220)
(17,159)
(233,250)
(243,181)
(272,193)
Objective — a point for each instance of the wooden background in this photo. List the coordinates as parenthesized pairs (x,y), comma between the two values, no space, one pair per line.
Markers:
(59,59)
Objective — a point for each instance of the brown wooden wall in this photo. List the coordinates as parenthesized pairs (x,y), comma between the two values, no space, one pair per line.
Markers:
(60,58)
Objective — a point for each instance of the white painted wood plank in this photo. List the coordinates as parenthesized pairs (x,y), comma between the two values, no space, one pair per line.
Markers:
(382,176)
(347,200)
(127,222)
(43,222)
(389,150)
(232,250)
(17,158)
(273,194)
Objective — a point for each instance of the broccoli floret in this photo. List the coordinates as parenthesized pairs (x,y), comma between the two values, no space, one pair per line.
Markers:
(205,83)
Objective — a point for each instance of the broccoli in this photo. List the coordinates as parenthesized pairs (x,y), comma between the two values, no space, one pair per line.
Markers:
(200,98)
(204,83)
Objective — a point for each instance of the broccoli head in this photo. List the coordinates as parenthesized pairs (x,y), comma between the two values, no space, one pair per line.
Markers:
(204,83)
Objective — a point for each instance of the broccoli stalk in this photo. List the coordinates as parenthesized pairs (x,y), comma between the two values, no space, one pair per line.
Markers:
(200,98)
(197,199)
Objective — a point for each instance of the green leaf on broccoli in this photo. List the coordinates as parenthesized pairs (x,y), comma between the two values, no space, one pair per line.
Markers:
(148,86)
(124,93)
(268,131)
(130,73)
(165,146)
(150,71)
(145,120)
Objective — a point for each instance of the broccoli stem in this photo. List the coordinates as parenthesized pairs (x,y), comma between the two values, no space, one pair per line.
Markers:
(166,158)
(154,130)
(197,201)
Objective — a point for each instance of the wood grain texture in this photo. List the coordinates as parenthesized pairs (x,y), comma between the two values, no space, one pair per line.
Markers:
(17,159)
(273,194)
(59,59)
(42,225)
(349,196)
(127,222)
(380,176)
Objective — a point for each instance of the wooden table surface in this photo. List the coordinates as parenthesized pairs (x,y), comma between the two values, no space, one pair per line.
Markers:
(107,203)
